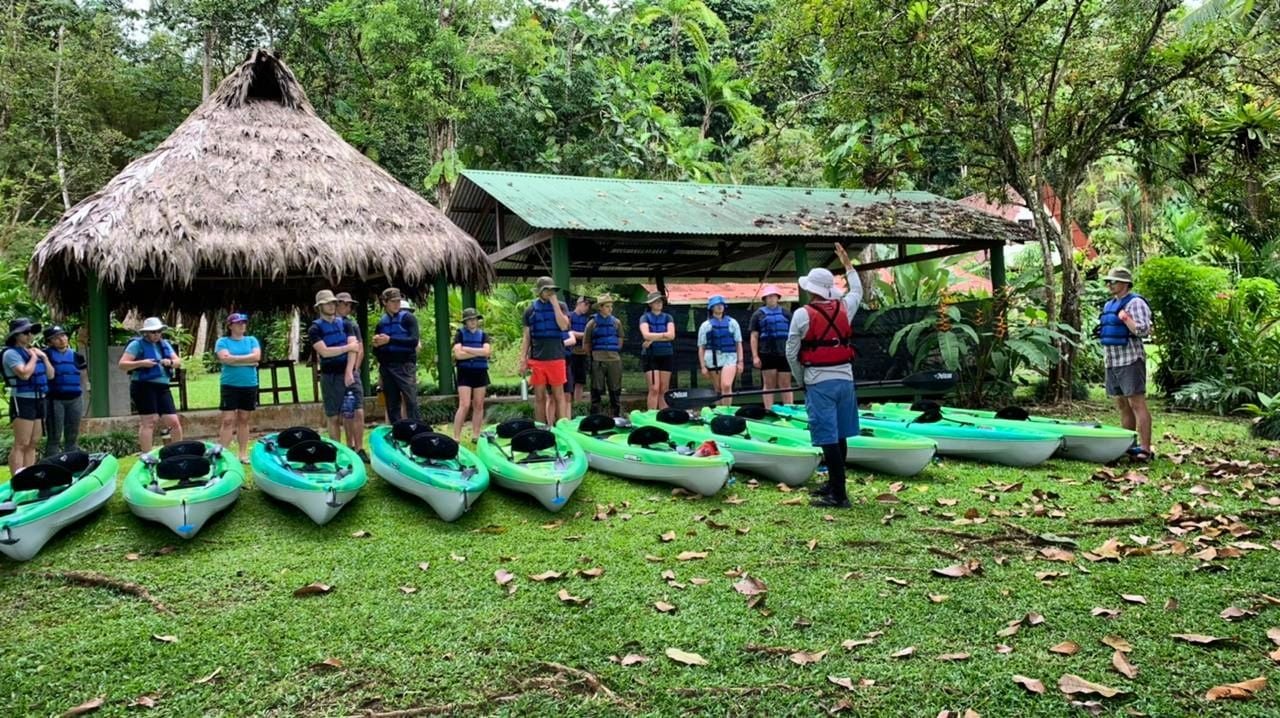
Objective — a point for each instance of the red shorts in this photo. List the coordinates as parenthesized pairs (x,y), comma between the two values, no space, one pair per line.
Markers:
(547,372)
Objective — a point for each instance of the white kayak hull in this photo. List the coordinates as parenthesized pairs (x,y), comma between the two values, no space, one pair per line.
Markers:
(185,519)
(449,505)
(898,462)
(705,480)
(24,542)
(1008,453)
(789,470)
(319,506)
(1094,450)
(552,496)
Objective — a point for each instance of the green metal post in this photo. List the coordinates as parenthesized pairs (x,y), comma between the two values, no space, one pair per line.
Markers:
(998,279)
(444,361)
(99,338)
(362,318)
(560,263)
(469,298)
(802,268)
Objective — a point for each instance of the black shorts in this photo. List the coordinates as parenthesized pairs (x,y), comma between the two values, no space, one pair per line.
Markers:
(664,362)
(774,362)
(579,372)
(26,408)
(151,398)
(239,398)
(473,378)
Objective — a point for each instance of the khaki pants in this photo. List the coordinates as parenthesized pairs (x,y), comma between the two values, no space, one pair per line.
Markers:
(606,375)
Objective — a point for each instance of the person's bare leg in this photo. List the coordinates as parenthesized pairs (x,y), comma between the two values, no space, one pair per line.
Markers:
(242,433)
(174,425)
(335,428)
(1142,419)
(33,443)
(1127,419)
(464,410)
(559,405)
(21,436)
(784,382)
(356,430)
(651,381)
(477,411)
(226,427)
(664,384)
(768,380)
(726,383)
(146,432)
(540,403)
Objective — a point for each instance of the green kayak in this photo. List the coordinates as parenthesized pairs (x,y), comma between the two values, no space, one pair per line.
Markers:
(1087,441)
(43,498)
(546,464)
(787,460)
(183,485)
(648,453)
(1012,447)
(413,458)
(883,451)
(317,475)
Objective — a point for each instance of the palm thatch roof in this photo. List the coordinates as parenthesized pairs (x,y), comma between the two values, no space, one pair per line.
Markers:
(255,202)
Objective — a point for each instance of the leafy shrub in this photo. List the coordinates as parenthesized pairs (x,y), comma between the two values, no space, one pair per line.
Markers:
(1182,295)
(1259,295)
(1266,413)
(1042,390)
(116,443)
(1217,395)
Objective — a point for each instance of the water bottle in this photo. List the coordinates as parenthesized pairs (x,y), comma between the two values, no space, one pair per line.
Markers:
(350,403)
(524,389)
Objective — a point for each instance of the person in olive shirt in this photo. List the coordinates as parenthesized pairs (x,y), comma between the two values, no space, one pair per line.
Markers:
(542,350)
(603,337)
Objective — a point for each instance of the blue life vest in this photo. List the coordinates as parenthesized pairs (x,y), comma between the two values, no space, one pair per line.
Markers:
(392,327)
(542,322)
(37,383)
(66,375)
(774,327)
(720,338)
(658,324)
(1115,333)
(604,337)
(151,351)
(333,334)
(472,340)
(578,322)
(568,350)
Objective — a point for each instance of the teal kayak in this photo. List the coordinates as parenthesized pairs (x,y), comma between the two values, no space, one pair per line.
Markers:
(43,498)
(883,451)
(183,485)
(317,475)
(649,453)
(435,468)
(787,460)
(547,464)
(1021,447)
(1087,441)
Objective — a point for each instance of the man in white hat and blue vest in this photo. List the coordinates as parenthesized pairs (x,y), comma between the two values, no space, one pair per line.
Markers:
(1125,320)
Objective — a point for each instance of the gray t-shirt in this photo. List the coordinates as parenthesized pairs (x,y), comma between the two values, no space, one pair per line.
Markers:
(800,325)
(12,360)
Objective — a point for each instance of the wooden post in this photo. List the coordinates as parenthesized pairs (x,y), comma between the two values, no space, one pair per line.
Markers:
(444,363)
(998,279)
(99,339)
(560,264)
(469,298)
(802,268)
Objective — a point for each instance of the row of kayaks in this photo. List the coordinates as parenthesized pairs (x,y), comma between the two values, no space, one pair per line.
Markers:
(183,485)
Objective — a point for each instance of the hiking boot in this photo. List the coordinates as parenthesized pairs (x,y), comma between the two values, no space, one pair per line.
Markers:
(827,501)
(823,489)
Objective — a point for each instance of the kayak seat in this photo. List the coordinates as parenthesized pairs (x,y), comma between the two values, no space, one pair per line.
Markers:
(312,452)
(675,417)
(188,471)
(1013,413)
(42,477)
(183,448)
(509,428)
(647,436)
(295,435)
(723,425)
(432,446)
(930,415)
(595,423)
(531,442)
(753,411)
(77,462)
(926,405)
(404,430)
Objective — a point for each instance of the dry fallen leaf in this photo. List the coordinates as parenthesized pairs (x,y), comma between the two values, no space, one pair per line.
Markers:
(589,573)
(1053,553)
(688,659)
(1004,649)
(664,607)
(699,581)
(164,639)
(313,589)
(424,566)
(852,643)
(795,501)
(954,657)
(1104,612)
(147,700)
(1117,643)
(804,658)
(456,557)
(938,597)
(668,537)
(328,664)
(209,678)
(691,555)
(1199,639)
(633,659)
(1030,684)
(132,556)
(812,544)
(960,570)
(1236,691)
(1123,666)
(1134,598)
(1274,635)
(1171,604)
(407,590)
(88,706)
(362,534)
(846,683)
(750,586)
(566,597)
(1066,648)
(904,653)
(1071,684)
(1232,613)
(546,576)
(896,581)
(502,577)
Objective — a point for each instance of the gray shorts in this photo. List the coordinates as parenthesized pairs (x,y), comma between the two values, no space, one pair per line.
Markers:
(1127,380)
(333,389)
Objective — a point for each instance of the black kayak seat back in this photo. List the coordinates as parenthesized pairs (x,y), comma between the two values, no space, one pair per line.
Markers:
(595,423)
(675,417)
(531,441)
(728,425)
(928,414)
(926,405)
(312,452)
(1013,413)
(77,462)
(43,477)
(648,436)
(295,435)
(183,448)
(509,428)
(433,446)
(183,468)
(404,430)
(753,411)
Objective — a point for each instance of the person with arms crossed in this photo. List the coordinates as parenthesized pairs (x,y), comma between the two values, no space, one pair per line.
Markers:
(471,351)
(396,346)
(150,361)
(658,332)
(239,355)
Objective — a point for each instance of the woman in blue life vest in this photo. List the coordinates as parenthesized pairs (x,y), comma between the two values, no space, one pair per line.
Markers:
(471,353)
(150,361)
(65,405)
(658,330)
(769,327)
(27,372)
(239,355)
(719,346)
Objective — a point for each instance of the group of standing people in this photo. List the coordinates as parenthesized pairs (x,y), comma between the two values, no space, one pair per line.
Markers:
(46,391)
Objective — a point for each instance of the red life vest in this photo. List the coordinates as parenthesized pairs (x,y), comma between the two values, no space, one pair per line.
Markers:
(829,339)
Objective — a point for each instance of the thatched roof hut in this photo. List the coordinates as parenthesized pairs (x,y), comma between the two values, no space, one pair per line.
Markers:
(253,201)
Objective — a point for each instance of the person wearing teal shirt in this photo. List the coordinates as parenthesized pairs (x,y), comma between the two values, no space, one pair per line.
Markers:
(239,354)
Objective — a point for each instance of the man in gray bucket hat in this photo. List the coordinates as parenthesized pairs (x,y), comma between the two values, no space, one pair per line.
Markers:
(1125,320)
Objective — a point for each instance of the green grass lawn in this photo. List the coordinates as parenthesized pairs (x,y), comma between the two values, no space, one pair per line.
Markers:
(460,638)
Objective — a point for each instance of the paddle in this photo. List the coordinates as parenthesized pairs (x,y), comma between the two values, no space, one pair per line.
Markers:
(699,397)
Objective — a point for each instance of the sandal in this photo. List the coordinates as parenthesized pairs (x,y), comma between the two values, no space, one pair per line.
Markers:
(1139,455)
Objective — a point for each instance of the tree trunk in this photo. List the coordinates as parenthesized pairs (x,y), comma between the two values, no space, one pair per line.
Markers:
(202,335)
(1070,314)
(295,331)
(57,122)
(446,139)
(206,64)
(706,122)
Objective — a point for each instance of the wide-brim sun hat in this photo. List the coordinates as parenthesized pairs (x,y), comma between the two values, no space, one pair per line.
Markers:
(544,283)
(470,313)
(821,282)
(716,299)
(771,289)
(391,293)
(21,325)
(1119,274)
(152,324)
(655,297)
(345,297)
(325,296)
(604,299)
